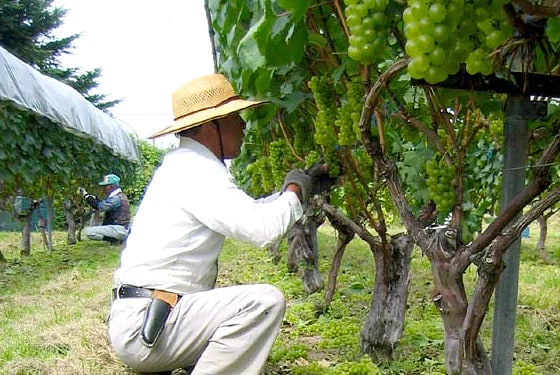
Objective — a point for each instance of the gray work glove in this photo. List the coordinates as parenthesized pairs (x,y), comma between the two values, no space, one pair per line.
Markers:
(301,179)
(321,181)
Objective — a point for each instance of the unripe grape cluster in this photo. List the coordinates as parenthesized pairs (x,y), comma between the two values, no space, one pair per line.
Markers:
(262,175)
(348,115)
(312,158)
(255,183)
(492,29)
(442,34)
(440,185)
(278,155)
(368,23)
(303,135)
(323,93)
(268,172)
(325,131)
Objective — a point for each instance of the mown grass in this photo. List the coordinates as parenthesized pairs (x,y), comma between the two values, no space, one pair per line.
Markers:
(53,309)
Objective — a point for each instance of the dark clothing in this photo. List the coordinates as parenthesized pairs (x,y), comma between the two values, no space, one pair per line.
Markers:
(116,213)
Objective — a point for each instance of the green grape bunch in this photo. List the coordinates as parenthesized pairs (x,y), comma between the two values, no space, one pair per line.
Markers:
(261,177)
(441,185)
(443,34)
(326,137)
(322,90)
(348,115)
(279,161)
(368,24)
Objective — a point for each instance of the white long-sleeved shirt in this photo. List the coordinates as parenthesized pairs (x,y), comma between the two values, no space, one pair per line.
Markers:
(189,208)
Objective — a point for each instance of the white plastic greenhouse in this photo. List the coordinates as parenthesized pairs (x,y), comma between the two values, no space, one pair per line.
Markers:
(63,105)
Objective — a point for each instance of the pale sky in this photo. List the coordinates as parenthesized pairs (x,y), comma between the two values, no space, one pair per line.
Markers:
(146,50)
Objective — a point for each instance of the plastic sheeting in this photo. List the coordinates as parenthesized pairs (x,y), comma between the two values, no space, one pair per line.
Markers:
(60,103)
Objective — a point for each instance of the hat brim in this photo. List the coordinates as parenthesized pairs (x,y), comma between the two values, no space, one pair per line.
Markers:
(206,115)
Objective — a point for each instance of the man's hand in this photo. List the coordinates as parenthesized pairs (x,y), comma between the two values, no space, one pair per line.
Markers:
(302,180)
(92,201)
(321,181)
(82,192)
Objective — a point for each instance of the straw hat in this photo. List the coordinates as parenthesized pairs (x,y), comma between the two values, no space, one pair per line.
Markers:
(201,100)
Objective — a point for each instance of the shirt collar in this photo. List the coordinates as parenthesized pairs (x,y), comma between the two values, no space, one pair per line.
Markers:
(186,142)
(114,192)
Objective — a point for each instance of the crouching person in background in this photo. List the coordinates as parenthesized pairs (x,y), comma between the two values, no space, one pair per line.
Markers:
(115,208)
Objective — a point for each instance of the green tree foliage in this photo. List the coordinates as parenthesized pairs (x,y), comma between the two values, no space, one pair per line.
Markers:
(151,159)
(26,31)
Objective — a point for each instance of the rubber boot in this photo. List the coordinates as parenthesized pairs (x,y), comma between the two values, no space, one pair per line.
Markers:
(112,240)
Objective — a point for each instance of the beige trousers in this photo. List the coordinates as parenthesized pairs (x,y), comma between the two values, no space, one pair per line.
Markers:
(224,331)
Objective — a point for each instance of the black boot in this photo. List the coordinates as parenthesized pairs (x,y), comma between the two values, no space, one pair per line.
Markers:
(112,241)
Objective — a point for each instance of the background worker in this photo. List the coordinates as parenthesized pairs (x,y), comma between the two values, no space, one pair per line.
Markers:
(167,313)
(115,208)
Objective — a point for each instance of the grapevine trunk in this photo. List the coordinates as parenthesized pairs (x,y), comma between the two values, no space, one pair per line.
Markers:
(384,325)
(303,252)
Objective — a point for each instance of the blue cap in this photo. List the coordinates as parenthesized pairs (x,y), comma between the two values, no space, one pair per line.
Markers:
(110,179)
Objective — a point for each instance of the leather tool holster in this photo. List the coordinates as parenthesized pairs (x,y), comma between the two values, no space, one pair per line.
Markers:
(156,315)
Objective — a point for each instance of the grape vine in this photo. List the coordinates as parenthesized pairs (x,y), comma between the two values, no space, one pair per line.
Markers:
(348,115)
(441,35)
(368,22)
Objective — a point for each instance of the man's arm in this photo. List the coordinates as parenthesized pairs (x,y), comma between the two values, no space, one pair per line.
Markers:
(109,204)
(294,188)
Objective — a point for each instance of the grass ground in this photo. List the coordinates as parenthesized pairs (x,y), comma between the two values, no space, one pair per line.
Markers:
(53,309)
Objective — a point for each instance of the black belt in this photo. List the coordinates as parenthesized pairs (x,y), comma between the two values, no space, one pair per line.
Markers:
(130,291)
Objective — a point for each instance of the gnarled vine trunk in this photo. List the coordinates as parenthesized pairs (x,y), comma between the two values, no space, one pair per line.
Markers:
(274,252)
(26,235)
(70,222)
(44,226)
(384,325)
(543,232)
(303,251)
(464,352)
(76,218)
(345,235)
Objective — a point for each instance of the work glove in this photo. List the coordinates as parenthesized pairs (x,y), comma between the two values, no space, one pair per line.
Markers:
(82,192)
(301,179)
(90,199)
(321,181)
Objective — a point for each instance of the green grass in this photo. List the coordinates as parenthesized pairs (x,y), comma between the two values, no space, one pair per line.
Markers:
(53,307)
